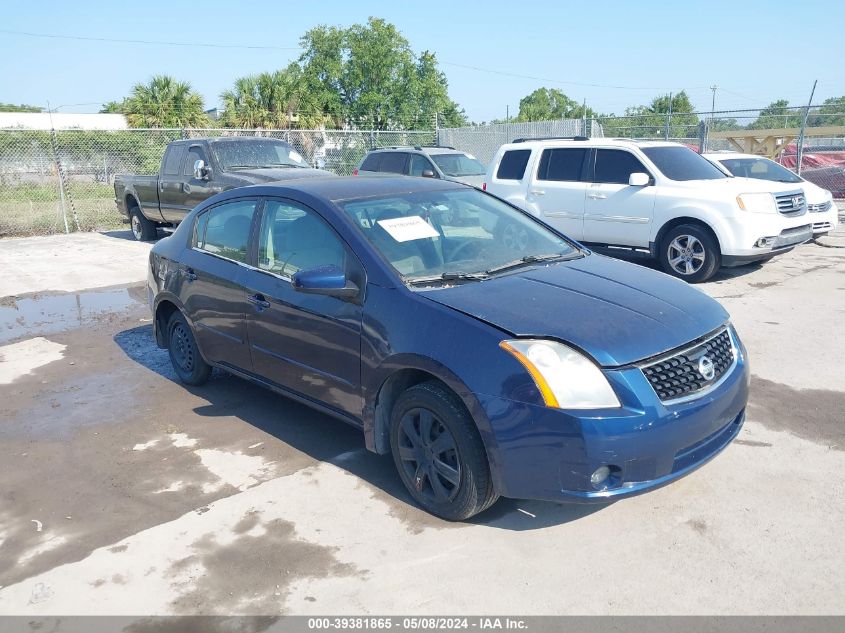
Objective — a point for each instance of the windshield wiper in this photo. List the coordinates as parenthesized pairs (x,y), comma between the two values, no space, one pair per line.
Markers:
(448,276)
(266,166)
(531,259)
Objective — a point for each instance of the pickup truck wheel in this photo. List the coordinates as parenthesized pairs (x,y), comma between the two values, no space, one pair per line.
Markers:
(142,229)
(690,253)
(439,454)
(184,354)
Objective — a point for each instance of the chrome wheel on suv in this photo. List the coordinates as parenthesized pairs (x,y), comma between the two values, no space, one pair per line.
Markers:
(691,252)
(686,255)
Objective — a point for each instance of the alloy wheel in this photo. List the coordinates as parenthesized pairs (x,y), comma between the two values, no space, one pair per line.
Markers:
(429,456)
(686,254)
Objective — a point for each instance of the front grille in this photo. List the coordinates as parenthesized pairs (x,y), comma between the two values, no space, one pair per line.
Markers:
(820,207)
(680,374)
(791,204)
(793,236)
(818,226)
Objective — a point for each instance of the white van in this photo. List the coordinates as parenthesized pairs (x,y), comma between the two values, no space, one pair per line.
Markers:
(656,198)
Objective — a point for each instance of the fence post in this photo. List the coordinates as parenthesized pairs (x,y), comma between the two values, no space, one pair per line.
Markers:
(800,150)
(60,174)
(702,136)
(668,119)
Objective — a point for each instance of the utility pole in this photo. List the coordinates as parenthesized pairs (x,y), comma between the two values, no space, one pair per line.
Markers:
(714,88)
(668,118)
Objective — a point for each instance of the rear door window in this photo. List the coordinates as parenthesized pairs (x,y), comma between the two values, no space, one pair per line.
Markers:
(562,164)
(224,230)
(615,166)
(371,162)
(173,160)
(393,162)
(513,163)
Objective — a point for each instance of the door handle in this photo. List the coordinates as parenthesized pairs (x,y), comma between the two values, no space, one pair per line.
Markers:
(597,196)
(161,186)
(537,192)
(190,275)
(258,301)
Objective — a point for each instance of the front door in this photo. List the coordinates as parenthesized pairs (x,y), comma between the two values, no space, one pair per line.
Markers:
(213,274)
(196,190)
(310,344)
(616,212)
(558,189)
(170,194)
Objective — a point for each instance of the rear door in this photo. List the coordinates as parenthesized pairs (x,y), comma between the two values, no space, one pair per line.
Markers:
(170,194)
(558,188)
(307,343)
(615,212)
(213,274)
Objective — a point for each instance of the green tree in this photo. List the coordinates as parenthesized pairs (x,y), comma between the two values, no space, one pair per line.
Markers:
(649,121)
(271,100)
(831,112)
(164,102)
(11,107)
(113,107)
(545,104)
(776,115)
(368,76)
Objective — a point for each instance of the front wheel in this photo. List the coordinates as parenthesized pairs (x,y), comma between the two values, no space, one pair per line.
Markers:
(690,252)
(439,454)
(184,354)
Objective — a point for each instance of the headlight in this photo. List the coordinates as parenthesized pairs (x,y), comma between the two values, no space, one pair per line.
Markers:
(566,379)
(757,202)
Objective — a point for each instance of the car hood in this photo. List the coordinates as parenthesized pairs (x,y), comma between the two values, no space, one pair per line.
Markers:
(615,311)
(259,176)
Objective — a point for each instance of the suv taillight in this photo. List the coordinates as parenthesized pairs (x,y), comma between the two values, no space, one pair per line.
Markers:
(355,172)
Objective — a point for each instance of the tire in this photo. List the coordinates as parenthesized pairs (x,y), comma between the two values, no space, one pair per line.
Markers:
(184,353)
(690,252)
(142,229)
(439,454)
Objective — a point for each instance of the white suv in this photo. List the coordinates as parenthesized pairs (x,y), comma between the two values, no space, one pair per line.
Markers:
(657,198)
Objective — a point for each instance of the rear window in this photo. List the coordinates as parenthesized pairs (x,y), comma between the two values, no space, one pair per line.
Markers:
(512,165)
(681,163)
(561,164)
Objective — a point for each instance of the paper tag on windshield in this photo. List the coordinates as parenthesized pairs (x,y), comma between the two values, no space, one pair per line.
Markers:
(407,229)
(296,156)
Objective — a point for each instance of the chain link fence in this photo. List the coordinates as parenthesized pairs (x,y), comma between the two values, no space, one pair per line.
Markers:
(63,181)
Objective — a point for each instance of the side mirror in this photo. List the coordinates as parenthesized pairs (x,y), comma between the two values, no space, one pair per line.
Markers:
(427,173)
(325,280)
(201,172)
(638,179)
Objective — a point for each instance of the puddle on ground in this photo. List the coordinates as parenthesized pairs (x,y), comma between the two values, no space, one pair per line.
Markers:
(45,314)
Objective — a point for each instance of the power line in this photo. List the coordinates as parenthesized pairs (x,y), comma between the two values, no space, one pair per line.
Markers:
(150,42)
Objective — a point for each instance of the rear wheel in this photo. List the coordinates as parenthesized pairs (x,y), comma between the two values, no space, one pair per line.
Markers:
(690,252)
(439,454)
(184,354)
(142,229)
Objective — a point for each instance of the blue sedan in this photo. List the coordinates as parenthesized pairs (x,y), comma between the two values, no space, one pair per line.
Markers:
(487,353)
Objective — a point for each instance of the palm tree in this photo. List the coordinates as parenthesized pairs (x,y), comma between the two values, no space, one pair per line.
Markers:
(165,102)
(271,101)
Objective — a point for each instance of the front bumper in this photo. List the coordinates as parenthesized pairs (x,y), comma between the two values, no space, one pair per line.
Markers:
(550,454)
(825,221)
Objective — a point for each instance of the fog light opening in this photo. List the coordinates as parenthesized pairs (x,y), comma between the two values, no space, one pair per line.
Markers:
(600,475)
(764,242)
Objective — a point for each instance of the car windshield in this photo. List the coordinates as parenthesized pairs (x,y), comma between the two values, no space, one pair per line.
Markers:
(430,237)
(761,168)
(682,163)
(458,164)
(256,154)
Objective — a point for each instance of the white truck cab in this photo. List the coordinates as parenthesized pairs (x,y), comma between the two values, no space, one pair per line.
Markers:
(659,198)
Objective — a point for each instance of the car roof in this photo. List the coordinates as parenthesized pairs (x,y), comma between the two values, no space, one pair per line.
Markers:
(590,142)
(211,139)
(338,188)
(425,149)
(730,154)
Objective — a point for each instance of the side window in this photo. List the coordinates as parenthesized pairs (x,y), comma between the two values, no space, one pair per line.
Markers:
(294,238)
(371,162)
(512,166)
(393,162)
(195,153)
(615,166)
(418,163)
(224,230)
(173,156)
(563,165)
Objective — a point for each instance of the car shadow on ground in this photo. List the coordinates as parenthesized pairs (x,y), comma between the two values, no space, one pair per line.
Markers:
(326,439)
(721,275)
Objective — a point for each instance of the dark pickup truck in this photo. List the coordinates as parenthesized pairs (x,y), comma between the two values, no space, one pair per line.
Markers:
(195,169)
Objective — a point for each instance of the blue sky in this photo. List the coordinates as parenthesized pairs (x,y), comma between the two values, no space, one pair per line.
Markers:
(755,52)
